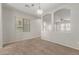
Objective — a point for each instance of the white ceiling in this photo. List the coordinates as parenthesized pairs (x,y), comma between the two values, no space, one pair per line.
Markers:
(33,10)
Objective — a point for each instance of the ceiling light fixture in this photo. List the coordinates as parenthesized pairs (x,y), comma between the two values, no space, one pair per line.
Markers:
(39,10)
(29,5)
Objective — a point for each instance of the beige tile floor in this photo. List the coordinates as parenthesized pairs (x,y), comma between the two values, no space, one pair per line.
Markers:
(36,46)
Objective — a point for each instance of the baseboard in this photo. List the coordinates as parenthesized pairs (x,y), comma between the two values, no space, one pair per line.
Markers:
(62,44)
(19,40)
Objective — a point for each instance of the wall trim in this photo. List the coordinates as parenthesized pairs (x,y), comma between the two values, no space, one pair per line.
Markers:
(18,40)
(61,44)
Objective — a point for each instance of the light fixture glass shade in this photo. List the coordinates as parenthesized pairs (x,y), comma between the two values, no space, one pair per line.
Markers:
(39,11)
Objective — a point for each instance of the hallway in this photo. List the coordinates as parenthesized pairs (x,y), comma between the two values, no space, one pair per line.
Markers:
(36,46)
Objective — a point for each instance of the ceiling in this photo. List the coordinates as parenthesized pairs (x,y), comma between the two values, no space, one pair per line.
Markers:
(33,10)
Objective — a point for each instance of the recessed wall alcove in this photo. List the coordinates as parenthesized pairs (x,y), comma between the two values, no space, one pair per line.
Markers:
(62,20)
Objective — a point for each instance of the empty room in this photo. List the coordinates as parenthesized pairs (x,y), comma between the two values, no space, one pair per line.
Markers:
(39,28)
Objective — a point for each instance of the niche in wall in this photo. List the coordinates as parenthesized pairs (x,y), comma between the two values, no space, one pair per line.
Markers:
(62,20)
(22,24)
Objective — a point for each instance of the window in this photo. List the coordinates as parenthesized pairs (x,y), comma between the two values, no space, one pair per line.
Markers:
(62,20)
(65,27)
(62,27)
(22,24)
(68,27)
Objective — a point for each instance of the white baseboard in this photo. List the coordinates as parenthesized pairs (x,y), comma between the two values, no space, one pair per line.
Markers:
(61,44)
(18,40)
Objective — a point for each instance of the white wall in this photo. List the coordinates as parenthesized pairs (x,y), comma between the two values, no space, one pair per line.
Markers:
(70,39)
(9,29)
(1,32)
